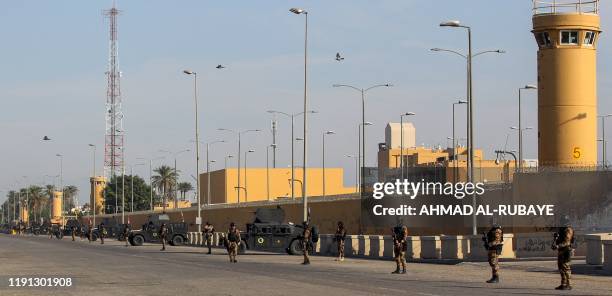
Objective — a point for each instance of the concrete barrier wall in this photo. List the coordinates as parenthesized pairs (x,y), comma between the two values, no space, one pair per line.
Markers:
(607,264)
(595,247)
(530,245)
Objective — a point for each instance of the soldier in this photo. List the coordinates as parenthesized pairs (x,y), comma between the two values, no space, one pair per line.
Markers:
(306,242)
(340,237)
(562,242)
(50,229)
(73,231)
(90,232)
(233,242)
(400,234)
(208,233)
(102,232)
(126,233)
(163,233)
(493,243)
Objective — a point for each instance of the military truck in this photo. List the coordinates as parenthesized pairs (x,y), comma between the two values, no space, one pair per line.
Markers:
(269,232)
(177,232)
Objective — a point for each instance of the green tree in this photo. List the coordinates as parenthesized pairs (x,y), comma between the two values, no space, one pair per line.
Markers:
(70,193)
(184,187)
(37,202)
(164,181)
(142,194)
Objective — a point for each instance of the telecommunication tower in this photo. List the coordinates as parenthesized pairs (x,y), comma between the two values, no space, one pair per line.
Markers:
(113,148)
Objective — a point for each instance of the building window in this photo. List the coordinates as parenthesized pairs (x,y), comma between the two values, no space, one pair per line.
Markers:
(589,38)
(543,39)
(569,37)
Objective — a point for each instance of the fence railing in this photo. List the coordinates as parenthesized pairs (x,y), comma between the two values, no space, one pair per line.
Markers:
(565,6)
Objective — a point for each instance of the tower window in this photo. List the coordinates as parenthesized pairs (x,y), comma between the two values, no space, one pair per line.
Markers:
(543,39)
(589,38)
(569,37)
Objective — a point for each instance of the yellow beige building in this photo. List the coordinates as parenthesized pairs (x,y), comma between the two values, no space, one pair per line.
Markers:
(567,32)
(96,198)
(258,184)
(56,207)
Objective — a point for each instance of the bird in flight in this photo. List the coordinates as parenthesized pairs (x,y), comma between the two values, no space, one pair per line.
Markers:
(220,67)
(339,58)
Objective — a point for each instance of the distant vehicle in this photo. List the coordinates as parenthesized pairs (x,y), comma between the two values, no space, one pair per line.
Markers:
(269,233)
(177,232)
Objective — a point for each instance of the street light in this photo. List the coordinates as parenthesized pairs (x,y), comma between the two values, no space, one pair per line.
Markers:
(93,179)
(455,164)
(359,154)
(520,152)
(239,133)
(402,140)
(226,158)
(208,169)
(132,185)
(61,160)
(246,170)
(151,177)
(603,139)
(299,11)
(469,97)
(174,154)
(273,146)
(363,122)
(356,171)
(520,133)
(197,146)
(325,133)
(292,117)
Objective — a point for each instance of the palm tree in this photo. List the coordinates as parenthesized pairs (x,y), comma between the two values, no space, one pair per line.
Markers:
(37,201)
(165,181)
(70,193)
(184,187)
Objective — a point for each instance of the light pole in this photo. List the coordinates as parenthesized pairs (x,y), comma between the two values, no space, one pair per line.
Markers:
(132,185)
(603,140)
(356,171)
(61,161)
(363,122)
(299,11)
(226,158)
(93,179)
(402,140)
(197,146)
(520,152)
(468,57)
(208,169)
(273,146)
(292,117)
(239,133)
(151,177)
(455,163)
(323,157)
(175,154)
(246,170)
(520,133)
(360,126)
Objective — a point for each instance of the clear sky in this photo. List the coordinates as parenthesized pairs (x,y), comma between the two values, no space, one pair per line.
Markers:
(54,55)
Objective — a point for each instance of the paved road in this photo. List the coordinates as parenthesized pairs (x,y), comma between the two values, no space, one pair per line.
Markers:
(113,269)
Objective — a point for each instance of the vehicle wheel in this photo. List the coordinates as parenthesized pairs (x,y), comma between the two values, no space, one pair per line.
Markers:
(59,235)
(295,248)
(36,232)
(242,247)
(137,240)
(94,237)
(177,240)
(120,237)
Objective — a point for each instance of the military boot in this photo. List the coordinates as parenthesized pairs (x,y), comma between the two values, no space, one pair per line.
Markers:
(397,271)
(494,279)
(404,271)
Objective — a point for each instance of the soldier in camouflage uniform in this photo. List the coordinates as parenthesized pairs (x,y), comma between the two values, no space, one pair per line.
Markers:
(399,249)
(126,233)
(562,242)
(340,237)
(73,232)
(306,242)
(208,233)
(494,241)
(102,232)
(163,233)
(90,232)
(233,242)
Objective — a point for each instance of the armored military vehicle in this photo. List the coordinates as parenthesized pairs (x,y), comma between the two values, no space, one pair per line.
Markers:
(177,232)
(269,232)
